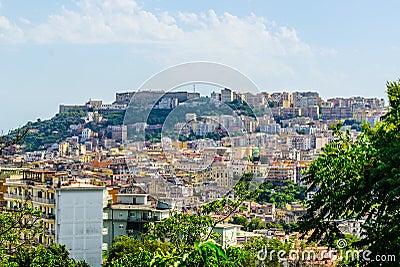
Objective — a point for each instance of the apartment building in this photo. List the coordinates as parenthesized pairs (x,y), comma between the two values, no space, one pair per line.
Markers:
(71,212)
(219,171)
(227,95)
(257,169)
(334,113)
(282,171)
(300,142)
(306,99)
(129,215)
(3,189)
(351,227)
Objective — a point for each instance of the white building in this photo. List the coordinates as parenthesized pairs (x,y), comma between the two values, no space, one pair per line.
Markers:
(227,234)
(72,214)
(300,142)
(79,222)
(204,128)
(86,134)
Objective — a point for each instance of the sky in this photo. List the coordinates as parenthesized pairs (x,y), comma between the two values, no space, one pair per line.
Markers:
(67,52)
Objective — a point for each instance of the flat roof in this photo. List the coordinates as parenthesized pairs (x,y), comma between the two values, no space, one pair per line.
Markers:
(136,207)
(130,194)
(227,225)
(80,187)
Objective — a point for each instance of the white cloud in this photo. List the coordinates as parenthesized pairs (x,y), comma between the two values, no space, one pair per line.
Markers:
(24,20)
(251,43)
(121,21)
(9,32)
(188,18)
(124,21)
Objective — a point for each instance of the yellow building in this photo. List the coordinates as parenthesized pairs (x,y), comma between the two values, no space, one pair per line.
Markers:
(257,169)
(35,187)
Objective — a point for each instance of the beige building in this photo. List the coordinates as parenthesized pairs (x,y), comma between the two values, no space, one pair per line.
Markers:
(282,171)
(71,212)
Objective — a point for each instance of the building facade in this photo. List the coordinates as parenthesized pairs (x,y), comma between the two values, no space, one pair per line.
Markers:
(71,212)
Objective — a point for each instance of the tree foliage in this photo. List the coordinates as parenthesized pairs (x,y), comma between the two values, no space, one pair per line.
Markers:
(126,251)
(40,256)
(281,194)
(19,228)
(9,140)
(360,179)
(46,132)
(181,229)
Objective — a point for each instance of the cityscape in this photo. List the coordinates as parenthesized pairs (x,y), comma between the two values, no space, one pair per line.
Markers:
(206,133)
(96,180)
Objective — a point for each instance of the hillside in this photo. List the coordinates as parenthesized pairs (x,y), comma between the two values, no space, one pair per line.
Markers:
(42,134)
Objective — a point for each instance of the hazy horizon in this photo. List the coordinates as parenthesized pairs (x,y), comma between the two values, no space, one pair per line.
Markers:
(67,52)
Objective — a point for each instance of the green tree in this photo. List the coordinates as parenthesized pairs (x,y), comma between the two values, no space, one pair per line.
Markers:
(46,132)
(12,139)
(181,229)
(281,193)
(129,252)
(40,256)
(360,179)
(241,220)
(126,251)
(256,223)
(264,252)
(189,240)
(19,227)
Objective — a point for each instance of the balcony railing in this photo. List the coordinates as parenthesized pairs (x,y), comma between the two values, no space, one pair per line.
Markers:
(43,200)
(16,196)
(49,232)
(29,197)
(49,216)
(143,219)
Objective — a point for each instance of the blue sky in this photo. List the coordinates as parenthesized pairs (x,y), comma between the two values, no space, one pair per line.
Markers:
(54,52)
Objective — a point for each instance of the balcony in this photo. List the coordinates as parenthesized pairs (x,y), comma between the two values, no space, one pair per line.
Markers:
(49,232)
(43,200)
(29,197)
(16,196)
(49,216)
(143,219)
